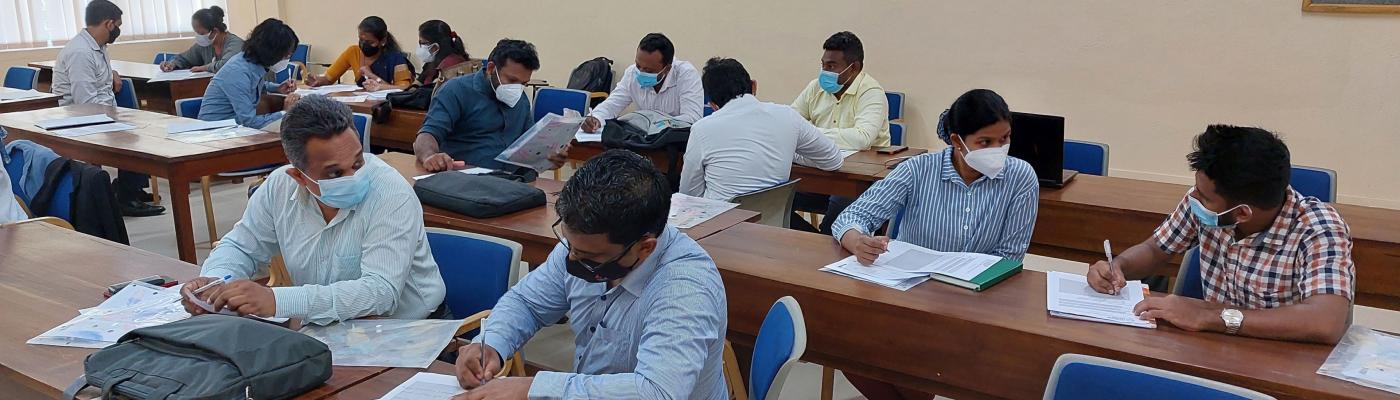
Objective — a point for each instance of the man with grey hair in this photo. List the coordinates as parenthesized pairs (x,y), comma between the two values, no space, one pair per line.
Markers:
(348,227)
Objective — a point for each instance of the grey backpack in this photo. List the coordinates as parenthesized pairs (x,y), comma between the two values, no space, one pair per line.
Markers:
(208,357)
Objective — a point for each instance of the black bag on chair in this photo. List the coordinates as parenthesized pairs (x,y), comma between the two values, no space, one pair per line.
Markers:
(416,97)
(643,131)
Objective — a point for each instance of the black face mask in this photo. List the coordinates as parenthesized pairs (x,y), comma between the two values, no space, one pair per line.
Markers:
(368,50)
(112,37)
(596,272)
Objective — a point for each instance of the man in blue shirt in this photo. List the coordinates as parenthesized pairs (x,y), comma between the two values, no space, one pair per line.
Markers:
(646,303)
(475,117)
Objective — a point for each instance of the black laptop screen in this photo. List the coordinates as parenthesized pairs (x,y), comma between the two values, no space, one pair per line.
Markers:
(1039,140)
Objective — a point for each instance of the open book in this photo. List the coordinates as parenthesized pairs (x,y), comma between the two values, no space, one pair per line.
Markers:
(905,265)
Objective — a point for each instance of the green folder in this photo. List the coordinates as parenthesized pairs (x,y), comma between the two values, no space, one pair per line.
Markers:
(991,276)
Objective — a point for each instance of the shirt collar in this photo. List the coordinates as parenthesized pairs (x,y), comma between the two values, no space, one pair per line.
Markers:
(637,281)
(738,103)
(948,173)
(1276,236)
(91,41)
(485,87)
(858,85)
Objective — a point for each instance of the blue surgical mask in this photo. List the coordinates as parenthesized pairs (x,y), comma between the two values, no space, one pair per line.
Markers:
(1211,219)
(346,191)
(831,81)
(647,79)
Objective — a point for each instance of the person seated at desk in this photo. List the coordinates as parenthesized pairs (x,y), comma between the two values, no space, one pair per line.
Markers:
(971,197)
(474,118)
(439,48)
(849,107)
(346,224)
(213,46)
(656,82)
(235,91)
(1274,264)
(645,302)
(747,145)
(377,61)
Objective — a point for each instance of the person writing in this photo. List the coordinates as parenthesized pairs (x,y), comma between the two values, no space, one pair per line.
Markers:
(235,91)
(656,82)
(377,62)
(213,46)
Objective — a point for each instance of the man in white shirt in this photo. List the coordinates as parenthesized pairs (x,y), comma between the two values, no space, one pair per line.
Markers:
(747,145)
(657,82)
(348,227)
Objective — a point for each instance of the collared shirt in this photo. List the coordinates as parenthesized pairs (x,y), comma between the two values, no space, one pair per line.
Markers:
(83,73)
(993,215)
(370,260)
(858,120)
(471,125)
(657,335)
(681,95)
(1305,252)
(9,207)
(749,145)
(234,94)
(205,55)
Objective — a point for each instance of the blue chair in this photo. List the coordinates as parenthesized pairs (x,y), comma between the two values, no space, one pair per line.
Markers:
(1078,376)
(706,111)
(126,98)
(188,108)
(1086,157)
(896,134)
(301,53)
(290,73)
(16,169)
(781,341)
(477,270)
(1316,182)
(556,100)
(895,101)
(1188,277)
(163,57)
(362,125)
(22,78)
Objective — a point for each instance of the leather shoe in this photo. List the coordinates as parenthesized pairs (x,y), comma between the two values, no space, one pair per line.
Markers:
(134,208)
(146,197)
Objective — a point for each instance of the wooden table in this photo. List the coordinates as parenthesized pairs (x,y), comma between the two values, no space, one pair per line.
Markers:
(1000,343)
(47,100)
(532,228)
(397,132)
(381,384)
(147,150)
(47,274)
(159,96)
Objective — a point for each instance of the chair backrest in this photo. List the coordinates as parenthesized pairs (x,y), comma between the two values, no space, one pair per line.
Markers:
(896,134)
(127,96)
(896,104)
(22,78)
(1086,157)
(362,125)
(1078,376)
(773,204)
(15,168)
(163,57)
(781,341)
(477,269)
(1316,182)
(61,206)
(302,51)
(284,75)
(1188,277)
(188,108)
(894,224)
(706,111)
(556,100)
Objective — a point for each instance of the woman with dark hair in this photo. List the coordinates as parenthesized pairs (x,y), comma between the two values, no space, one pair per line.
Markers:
(213,46)
(377,61)
(439,48)
(235,91)
(971,197)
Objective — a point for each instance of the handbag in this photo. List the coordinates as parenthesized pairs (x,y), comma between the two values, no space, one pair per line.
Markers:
(478,196)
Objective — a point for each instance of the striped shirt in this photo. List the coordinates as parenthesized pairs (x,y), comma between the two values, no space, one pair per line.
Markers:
(681,96)
(657,335)
(370,260)
(992,216)
(1306,252)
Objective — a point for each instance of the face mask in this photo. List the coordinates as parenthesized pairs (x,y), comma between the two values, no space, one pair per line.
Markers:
(1211,219)
(989,161)
(595,272)
(346,191)
(508,94)
(116,32)
(368,50)
(647,79)
(424,52)
(204,40)
(280,66)
(831,81)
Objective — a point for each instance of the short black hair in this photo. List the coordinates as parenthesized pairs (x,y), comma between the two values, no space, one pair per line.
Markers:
(973,111)
(315,116)
(725,79)
(1248,165)
(376,27)
(520,51)
(848,44)
(99,11)
(270,42)
(618,193)
(211,18)
(654,42)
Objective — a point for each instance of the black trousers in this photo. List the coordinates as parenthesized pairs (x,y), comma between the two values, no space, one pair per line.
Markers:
(129,185)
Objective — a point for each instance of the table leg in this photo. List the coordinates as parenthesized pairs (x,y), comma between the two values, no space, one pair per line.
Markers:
(184,228)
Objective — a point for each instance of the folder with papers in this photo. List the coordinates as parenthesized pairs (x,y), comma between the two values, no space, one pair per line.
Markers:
(905,265)
(1070,296)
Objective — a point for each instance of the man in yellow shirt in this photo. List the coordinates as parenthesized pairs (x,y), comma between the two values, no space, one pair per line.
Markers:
(849,107)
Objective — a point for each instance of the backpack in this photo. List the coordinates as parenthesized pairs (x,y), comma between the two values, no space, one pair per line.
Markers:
(594,75)
(650,130)
(208,357)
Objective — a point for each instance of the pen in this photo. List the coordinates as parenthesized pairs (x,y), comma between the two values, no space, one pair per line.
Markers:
(486,376)
(1108,252)
(216,282)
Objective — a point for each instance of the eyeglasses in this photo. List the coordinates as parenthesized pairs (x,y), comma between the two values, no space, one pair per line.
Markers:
(592,266)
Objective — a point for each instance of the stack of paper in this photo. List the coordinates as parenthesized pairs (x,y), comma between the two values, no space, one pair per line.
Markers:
(689,211)
(199,126)
(328,89)
(91,129)
(7,95)
(546,137)
(138,305)
(228,132)
(905,265)
(468,171)
(385,342)
(1366,357)
(350,99)
(426,386)
(70,122)
(378,95)
(585,137)
(1070,296)
(178,75)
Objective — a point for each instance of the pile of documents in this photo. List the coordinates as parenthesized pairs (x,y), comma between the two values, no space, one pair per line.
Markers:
(138,305)
(426,386)
(325,90)
(1070,296)
(7,95)
(689,211)
(905,265)
(178,75)
(208,131)
(385,342)
(378,95)
(1366,357)
(83,125)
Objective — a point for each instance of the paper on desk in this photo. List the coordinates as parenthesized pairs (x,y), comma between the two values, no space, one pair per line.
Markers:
(378,95)
(689,211)
(585,137)
(546,137)
(138,305)
(468,171)
(60,123)
(210,308)
(7,95)
(328,89)
(1070,296)
(93,129)
(1366,357)
(178,75)
(199,126)
(848,153)
(904,265)
(426,386)
(385,342)
(851,269)
(350,99)
(228,132)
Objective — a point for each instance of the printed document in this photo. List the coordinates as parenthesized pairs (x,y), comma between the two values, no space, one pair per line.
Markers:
(689,211)
(60,123)
(93,129)
(548,136)
(426,386)
(1070,296)
(178,75)
(904,263)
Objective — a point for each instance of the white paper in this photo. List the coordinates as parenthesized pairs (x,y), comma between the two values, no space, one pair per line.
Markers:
(468,171)
(426,386)
(93,129)
(1366,357)
(848,153)
(8,95)
(378,95)
(905,265)
(689,211)
(385,342)
(1070,296)
(199,126)
(213,135)
(350,99)
(138,305)
(856,271)
(328,89)
(546,137)
(585,137)
(210,308)
(178,75)
(60,123)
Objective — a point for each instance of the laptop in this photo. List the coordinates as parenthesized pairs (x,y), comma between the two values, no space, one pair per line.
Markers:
(1040,140)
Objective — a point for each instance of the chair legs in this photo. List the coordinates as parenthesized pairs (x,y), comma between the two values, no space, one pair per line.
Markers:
(208,209)
(155,191)
(517,367)
(828,382)
(732,374)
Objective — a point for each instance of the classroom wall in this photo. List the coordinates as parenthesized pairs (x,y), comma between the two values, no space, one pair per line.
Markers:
(1142,76)
(142,51)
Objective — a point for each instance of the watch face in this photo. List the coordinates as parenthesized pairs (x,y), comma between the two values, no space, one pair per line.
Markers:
(1232,316)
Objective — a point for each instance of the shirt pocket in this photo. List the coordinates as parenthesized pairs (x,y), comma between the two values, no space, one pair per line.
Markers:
(610,351)
(1273,283)
(344,268)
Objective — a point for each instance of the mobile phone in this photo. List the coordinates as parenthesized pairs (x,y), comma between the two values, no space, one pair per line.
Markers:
(891,149)
(157,280)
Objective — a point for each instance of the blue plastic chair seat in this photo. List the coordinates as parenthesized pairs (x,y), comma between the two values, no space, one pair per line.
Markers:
(1315,182)
(21,78)
(1086,157)
(16,168)
(556,100)
(1084,380)
(477,272)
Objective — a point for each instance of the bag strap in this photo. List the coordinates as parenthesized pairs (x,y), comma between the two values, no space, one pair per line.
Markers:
(107,392)
(78,385)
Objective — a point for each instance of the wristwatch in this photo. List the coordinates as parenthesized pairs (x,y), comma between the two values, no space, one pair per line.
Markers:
(1233,320)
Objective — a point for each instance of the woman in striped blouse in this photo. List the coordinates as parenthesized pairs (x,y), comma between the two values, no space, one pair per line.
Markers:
(970,197)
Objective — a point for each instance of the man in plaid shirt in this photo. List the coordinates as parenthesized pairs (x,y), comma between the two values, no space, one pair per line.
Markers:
(1274,264)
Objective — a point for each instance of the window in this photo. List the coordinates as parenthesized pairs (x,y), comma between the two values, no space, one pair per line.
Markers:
(28,24)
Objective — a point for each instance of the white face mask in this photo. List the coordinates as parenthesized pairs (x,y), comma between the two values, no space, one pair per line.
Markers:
(508,94)
(989,161)
(204,40)
(424,53)
(280,66)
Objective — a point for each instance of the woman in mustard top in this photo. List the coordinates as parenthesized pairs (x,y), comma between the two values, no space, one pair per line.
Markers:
(377,62)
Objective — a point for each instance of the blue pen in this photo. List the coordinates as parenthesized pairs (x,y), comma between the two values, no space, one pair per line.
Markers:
(216,282)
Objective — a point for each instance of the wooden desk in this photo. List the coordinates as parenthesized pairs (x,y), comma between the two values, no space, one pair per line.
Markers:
(381,384)
(147,150)
(397,133)
(532,228)
(47,100)
(47,274)
(159,96)
(999,343)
